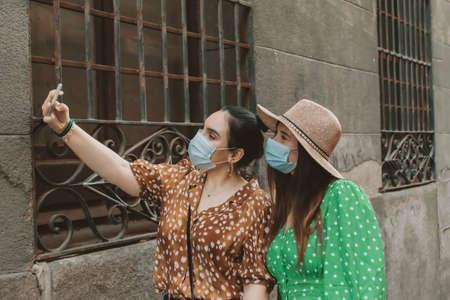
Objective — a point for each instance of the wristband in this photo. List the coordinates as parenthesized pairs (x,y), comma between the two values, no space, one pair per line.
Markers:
(65,131)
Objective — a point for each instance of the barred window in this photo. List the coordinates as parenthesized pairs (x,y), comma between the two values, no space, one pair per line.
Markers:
(404,55)
(140,76)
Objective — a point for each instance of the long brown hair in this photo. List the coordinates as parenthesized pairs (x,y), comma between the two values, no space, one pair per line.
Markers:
(301,192)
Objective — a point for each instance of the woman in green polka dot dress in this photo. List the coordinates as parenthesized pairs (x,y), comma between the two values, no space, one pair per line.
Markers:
(324,242)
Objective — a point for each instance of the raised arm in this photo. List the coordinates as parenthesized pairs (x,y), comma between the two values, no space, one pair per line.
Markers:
(99,158)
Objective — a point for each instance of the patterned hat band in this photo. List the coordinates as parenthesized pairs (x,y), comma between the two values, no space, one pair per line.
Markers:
(306,137)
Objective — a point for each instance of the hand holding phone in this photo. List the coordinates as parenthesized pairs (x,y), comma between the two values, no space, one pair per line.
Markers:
(55,97)
(55,114)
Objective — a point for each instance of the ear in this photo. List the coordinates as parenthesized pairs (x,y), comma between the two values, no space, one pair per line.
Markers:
(236,155)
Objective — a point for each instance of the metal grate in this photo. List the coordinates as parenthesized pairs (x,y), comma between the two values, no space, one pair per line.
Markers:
(404,55)
(201,59)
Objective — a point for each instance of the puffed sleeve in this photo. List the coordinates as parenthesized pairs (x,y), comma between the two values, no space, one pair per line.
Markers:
(353,247)
(155,179)
(253,269)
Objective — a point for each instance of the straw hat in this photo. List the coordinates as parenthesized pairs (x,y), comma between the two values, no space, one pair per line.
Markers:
(316,128)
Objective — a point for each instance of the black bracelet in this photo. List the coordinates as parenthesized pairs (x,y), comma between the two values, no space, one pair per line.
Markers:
(69,126)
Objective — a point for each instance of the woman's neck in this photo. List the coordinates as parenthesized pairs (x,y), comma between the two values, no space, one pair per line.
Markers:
(221,176)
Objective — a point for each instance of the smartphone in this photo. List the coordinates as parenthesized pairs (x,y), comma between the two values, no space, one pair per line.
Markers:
(55,97)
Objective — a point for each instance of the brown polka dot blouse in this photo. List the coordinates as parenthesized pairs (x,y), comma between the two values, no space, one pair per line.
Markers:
(228,240)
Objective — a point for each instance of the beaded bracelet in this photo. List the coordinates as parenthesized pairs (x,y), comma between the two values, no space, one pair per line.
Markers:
(69,126)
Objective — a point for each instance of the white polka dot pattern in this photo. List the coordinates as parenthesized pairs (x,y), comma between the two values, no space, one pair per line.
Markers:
(349,264)
(227,240)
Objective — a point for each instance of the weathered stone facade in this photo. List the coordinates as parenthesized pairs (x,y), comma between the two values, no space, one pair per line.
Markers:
(322,50)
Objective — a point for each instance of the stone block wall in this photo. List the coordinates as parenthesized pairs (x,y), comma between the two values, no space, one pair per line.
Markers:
(321,50)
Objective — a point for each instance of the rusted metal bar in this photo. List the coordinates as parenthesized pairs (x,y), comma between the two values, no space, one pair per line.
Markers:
(221,51)
(417,96)
(399,26)
(114,65)
(411,29)
(407,131)
(57,24)
(146,24)
(129,122)
(405,29)
(117,59)
(389,99)
(414,96)
(402,20)
(89,58)
(393,69)
(141,57)
(396,188)
(427,24)
(414,22)
(241,2)
(187,111)
(381,63)
(402,86)
(95,247)
(404,63)
(382,90)
(407,61)
(133,71)
(237,53)
(387,44)
(395,105)
(420,9)
(404,57)
(428,58)
(165,60)
(392,28)
(425,106)
(429,96)
(251,62)
(203,59)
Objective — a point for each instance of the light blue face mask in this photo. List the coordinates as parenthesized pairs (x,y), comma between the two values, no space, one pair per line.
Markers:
(277,156)
(200,151)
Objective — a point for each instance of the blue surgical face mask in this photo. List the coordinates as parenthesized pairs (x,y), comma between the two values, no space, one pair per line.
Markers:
(200,151)
(277,156)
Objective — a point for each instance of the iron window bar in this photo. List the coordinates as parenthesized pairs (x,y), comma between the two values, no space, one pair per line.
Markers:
(405,90)
(177,140)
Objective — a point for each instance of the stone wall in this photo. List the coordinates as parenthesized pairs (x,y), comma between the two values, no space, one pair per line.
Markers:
(321,50)
(327,51)
(16,204)
(441,97)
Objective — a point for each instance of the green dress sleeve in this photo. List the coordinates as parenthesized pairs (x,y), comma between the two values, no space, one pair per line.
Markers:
(353,248)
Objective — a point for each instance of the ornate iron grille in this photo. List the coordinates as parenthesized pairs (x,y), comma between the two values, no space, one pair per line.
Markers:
(140,76)
(404,55)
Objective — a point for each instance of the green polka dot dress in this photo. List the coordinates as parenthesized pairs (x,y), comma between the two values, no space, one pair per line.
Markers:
(349,264)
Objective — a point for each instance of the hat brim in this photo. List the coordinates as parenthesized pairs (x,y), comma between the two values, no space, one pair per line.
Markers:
(270,120)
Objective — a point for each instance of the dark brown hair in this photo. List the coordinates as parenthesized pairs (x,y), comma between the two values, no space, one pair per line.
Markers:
(301,192)
(244,132)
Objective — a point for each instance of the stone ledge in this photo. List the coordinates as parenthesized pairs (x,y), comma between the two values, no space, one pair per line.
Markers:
(120,273)
(408,221)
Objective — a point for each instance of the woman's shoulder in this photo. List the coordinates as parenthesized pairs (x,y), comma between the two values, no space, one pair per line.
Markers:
(340,186)
(164,174)
(344,191)
(255,204)
(252,196)
(261,195)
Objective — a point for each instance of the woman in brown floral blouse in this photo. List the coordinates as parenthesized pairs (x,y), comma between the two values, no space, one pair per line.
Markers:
(228,216)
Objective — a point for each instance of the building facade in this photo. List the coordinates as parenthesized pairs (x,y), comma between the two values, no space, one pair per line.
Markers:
(381,66)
